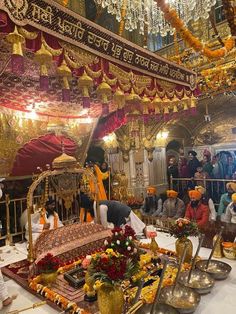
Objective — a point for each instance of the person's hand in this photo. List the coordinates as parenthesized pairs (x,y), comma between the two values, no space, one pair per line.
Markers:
(46,226)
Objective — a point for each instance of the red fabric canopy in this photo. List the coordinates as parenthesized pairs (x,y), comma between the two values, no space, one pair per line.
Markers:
(39,152)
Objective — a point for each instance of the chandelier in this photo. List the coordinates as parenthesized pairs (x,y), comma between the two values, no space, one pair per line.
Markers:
(145,15)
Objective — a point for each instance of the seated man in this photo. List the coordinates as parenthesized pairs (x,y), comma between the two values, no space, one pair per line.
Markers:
(173,207)
(152,205)
(207,201)
(45,220)
(116,214)
(225,199)
(230,214)
(196,211)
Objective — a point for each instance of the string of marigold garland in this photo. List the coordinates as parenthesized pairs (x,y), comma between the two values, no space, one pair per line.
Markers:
(172,17)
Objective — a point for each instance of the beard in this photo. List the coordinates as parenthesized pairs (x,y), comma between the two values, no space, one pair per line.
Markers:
(150,203)
(50,211)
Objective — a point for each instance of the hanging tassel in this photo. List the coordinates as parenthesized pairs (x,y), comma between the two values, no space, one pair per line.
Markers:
(166,113)
(175,112)
(17,61)
(104,90)
(65,72)
(44,58)
(193,109)
(105,108)
(3,19)
(85,83)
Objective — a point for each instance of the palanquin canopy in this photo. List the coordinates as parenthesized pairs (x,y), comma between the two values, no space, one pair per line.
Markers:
(59,68)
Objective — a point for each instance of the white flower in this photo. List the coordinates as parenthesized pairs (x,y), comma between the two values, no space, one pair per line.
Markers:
(129,248)
(88,257)
(127,243)
(130,237)
(105,242)
(116,233)
(118,242)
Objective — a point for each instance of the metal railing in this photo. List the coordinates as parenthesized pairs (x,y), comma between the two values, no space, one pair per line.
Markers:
(10,213)
(214,187)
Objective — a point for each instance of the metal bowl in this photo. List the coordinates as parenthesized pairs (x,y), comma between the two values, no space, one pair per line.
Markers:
(217,269)
(184,299)
(160,308)
(200,281)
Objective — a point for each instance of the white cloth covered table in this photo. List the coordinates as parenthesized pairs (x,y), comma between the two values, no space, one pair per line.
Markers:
(222,299)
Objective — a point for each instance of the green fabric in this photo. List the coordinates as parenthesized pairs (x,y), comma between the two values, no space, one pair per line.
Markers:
(207,167)
(224,202)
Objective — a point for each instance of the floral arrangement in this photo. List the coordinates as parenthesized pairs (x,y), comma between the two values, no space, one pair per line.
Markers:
(183,228)
(123,242)
(48,264)
(111,267)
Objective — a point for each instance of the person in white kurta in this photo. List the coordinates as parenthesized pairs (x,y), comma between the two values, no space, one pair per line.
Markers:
(50,217)
(230,213)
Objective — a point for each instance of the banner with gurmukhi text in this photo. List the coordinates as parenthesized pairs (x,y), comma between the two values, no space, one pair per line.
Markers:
(54,19)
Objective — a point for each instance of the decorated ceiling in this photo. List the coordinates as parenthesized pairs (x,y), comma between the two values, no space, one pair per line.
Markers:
(60,74)
(41,68)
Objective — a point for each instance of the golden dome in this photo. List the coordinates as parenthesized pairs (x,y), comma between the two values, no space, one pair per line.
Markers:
(64,161)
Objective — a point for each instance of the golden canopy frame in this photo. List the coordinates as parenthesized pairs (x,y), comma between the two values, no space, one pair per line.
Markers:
(71,171)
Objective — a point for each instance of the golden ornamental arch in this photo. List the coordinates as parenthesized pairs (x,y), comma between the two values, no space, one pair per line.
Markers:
(65,181)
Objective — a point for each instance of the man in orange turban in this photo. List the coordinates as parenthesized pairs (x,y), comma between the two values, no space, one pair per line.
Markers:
(152,205)
(230,214)
(197,211)
(173,207)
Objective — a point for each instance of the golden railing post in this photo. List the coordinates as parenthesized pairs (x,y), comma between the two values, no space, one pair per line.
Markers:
(8,235)
(204,181)
(171,182)
(30,250)
(109,185)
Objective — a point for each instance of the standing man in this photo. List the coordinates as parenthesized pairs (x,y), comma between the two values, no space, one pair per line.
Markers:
(152,205)
(196,211)
(172,170)
(193,163)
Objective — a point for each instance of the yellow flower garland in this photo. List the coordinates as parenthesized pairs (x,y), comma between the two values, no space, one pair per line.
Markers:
(54,297)
(172,17)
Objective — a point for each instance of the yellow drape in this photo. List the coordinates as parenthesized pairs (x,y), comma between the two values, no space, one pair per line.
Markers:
(101,191)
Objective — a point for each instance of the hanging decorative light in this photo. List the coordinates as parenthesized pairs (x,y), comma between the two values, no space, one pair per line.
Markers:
(139,14)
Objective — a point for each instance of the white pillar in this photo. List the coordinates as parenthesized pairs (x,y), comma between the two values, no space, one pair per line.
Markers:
(146,165)
(132,169)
